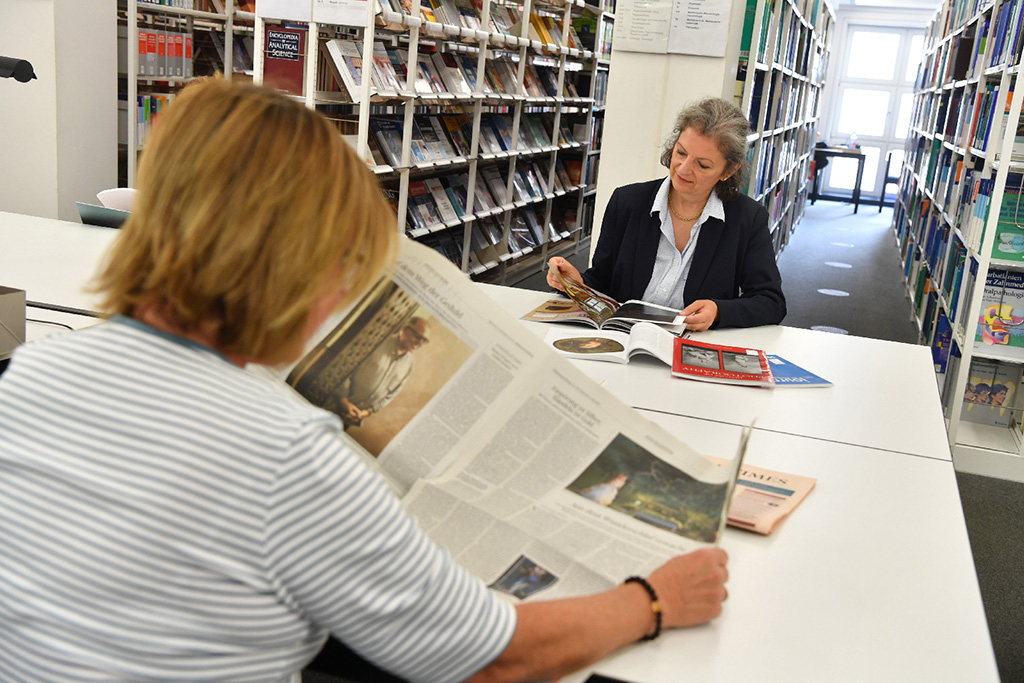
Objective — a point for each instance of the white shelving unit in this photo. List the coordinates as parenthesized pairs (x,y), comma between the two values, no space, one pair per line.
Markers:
(213,29)
(783,81)
(959,144)
(568,114)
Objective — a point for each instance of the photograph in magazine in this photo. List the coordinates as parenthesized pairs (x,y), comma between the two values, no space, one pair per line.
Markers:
(628,479)
(588,345)
(380,366)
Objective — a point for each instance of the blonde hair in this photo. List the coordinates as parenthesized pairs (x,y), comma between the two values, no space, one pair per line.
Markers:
(723,122)
(249,207)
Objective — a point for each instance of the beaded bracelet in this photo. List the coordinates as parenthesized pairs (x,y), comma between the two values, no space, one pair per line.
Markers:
(655,605)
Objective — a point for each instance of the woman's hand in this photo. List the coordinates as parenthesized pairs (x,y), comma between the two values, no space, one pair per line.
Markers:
(700,315)
(568,271)
(691,587)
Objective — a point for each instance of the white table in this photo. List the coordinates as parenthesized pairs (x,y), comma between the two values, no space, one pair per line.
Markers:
(871,579)
(884,394)
(52,260)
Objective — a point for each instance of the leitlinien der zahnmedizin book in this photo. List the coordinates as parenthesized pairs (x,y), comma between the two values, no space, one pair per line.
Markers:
(507,454)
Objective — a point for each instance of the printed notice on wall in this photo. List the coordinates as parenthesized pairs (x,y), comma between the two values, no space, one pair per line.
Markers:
(689,27)
(294,10)
(346,12)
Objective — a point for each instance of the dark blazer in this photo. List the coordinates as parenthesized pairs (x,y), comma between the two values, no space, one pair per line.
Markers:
(733,263)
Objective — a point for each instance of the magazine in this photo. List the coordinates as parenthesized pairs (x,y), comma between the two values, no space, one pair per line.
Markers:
(788,374)
(716,363)
(763,498)
(616,347)
(507,454)
(590,307)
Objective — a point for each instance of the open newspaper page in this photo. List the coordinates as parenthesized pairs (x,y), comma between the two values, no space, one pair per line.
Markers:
(529,472)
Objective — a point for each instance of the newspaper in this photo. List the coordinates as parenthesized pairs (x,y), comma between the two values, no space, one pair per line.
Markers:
(536,478)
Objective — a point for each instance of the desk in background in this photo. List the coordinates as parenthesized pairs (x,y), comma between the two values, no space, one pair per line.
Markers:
(884,394)
(843,152)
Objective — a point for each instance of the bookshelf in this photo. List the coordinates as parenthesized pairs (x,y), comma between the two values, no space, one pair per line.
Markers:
(956,222)
(779,82)
(482,121)
(165,44)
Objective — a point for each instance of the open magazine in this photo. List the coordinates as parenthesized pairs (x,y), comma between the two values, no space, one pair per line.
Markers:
(590,307)
(616,347)
(536,478)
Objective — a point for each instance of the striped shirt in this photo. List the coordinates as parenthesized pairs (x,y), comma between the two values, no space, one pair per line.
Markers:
(672,267)
(165,515)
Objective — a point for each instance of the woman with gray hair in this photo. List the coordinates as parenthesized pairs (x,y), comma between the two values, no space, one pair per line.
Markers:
(692,240)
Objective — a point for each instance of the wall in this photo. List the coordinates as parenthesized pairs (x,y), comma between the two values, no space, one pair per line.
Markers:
(58,134)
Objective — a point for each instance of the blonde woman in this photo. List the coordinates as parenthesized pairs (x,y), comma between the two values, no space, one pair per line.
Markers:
(165,515)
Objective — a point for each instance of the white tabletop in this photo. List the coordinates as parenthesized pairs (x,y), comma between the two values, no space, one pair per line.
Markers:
(52,260)
(884,394)
(870,579)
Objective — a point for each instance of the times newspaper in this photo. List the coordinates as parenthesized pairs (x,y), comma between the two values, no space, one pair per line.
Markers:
(536,478)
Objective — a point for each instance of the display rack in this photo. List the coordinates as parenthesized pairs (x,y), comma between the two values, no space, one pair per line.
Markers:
(956,221)
(783,61)
(486,147)
(167,44)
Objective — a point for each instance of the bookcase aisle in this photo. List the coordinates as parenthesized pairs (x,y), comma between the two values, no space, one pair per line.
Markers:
(482,120)
(165,44)
(964,259)
(779,79)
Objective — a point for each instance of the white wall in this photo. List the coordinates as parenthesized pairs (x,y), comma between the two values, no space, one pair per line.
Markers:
(58,134)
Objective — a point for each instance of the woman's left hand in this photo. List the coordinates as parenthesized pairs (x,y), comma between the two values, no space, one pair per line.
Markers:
(700,315)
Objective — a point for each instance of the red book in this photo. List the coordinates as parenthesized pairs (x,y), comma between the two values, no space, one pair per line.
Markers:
(716,363)
(284,63)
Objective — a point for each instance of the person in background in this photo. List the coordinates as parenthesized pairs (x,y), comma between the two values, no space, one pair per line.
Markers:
(692,240)
(166,515)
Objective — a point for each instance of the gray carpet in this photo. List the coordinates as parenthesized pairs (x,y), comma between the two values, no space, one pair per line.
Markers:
(841,273)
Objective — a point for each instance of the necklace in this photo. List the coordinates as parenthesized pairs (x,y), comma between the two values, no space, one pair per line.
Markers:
(683,218)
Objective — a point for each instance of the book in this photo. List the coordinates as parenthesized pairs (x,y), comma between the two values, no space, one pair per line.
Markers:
(708,362)
(389,138)
(444,205)
(454,80)
(990,393)
(627,493)
(347,63)
(588,306)
(284,64)
(422,209)
(789,374)
(1009,241)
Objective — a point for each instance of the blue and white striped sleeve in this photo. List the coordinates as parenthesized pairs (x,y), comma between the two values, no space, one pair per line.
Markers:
(343,551)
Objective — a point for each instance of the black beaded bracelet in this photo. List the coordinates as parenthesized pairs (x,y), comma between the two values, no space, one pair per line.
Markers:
(655,605)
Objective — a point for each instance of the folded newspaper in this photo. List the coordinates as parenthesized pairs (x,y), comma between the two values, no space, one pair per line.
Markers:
(536,478)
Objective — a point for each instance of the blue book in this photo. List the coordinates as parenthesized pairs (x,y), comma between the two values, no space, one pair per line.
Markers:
(786,374)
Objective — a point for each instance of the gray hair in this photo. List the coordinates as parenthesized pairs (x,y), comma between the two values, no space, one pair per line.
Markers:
(725,124)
